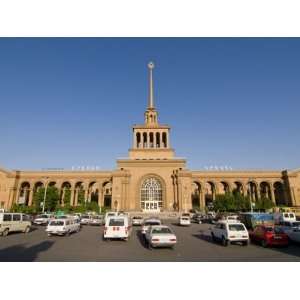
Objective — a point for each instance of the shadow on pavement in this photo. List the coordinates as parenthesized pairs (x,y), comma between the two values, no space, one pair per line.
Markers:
(21,253)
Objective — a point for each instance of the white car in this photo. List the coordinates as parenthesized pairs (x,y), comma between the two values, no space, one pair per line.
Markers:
(13,222)
(117,227)
(85,219)
(43,219)
(62,227)
(137,220)
(230,232)
(184,221)
(292,230)
(150,222)
(160,236)
(97,220)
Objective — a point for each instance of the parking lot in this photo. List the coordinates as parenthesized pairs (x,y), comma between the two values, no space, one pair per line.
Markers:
(193,244)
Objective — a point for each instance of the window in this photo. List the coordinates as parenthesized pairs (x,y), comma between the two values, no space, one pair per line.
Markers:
(25,218)
(17,217)
(7,217)
(236,227)
(116,222)
(163,230)
(56,223)
(151,191)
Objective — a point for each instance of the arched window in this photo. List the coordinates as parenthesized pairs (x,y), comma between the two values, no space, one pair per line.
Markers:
(151,140)
(157,140)
(151,194)
(164,140)
(138,140)
(145,141)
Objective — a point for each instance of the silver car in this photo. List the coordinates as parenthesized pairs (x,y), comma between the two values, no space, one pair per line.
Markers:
(97,220)
(160,236)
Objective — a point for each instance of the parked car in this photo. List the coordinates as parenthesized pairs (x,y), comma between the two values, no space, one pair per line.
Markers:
(62,226)
(269,236)
(137,220)
(150,222)
(184,221)
(197,218)
(85,219)
(43,219)
(13,222)
(284,217)
(230,232)
(117,227)
(160,236)
(292,230)
(97,220)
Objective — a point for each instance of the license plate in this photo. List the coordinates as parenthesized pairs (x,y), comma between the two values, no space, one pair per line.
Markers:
(277,237)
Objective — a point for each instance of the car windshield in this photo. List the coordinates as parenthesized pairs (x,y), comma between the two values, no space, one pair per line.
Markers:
(150,223)
(278,230)
(56,223)
(85,217)
(97,217)
(236,227)
(185,218)
(116,222)
(163,230)
(292,216)
(137,218)
(296,224)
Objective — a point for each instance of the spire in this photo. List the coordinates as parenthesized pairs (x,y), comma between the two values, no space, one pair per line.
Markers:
(150,101)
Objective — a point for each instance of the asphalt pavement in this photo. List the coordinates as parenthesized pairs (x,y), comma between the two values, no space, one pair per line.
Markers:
(193,244)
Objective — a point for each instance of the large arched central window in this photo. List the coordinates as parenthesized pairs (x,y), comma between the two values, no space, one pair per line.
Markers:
(151,194)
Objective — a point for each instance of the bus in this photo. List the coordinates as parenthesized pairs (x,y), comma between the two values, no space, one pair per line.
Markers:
(252,219)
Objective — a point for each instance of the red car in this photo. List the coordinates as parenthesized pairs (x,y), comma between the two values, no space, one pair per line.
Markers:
(269,236)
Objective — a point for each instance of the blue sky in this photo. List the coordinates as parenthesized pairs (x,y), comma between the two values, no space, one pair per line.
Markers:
(72,102)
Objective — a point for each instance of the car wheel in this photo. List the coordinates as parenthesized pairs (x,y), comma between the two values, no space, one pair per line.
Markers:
(27,229)
(246,243)
(224,242)
(68,233)
(264,243)
(5,232)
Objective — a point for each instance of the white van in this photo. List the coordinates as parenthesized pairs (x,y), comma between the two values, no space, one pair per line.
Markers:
(12,222)
(62,226)
(117,227)
(284,217)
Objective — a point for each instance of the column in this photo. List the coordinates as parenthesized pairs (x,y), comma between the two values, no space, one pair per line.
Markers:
(86,195)
(148,140)
(154,139)
(30,197)
(272,194)
(134,140)
(100,195)
(72,197)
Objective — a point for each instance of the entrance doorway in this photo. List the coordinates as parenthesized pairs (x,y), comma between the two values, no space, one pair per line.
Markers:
(151,195)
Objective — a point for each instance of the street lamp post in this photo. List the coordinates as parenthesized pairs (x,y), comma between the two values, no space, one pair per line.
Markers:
(46,186)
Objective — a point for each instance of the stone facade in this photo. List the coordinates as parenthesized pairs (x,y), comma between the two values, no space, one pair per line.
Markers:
(152,178)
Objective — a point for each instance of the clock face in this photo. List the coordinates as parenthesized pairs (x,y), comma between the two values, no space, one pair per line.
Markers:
(151,65)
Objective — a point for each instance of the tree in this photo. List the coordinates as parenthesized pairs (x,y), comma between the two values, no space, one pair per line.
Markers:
(231,202)
(264,203)
(52,198)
